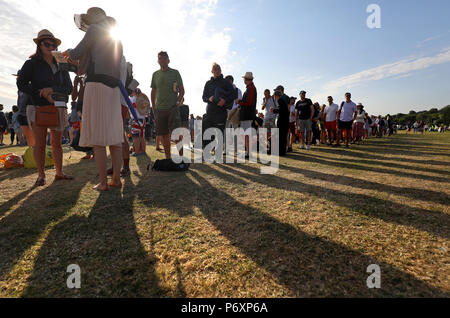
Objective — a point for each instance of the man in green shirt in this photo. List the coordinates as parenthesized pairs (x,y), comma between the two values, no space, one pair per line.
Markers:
(167,95)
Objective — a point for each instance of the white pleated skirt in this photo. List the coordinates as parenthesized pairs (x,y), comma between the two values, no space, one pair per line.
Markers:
(102,123)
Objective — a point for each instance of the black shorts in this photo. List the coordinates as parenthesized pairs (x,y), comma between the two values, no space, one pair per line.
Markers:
(22,120)
(2,129)
(346,125)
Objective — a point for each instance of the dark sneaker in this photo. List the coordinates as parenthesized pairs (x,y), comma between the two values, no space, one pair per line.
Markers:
(289,150)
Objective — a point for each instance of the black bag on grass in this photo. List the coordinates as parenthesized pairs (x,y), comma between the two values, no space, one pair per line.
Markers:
(76,143)
(169,165)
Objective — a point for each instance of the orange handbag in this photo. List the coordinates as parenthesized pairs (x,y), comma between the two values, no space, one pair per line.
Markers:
(47,116)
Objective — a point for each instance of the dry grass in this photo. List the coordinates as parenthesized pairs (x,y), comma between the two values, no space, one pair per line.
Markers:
(227,231)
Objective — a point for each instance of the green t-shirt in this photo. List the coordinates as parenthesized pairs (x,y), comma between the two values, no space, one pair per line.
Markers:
(166,84)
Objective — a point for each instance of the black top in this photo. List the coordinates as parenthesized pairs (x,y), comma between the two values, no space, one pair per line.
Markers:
(3,121)
(229,94)
(283,110)
(248,103)
(304,109)
(37,74)
(184,113)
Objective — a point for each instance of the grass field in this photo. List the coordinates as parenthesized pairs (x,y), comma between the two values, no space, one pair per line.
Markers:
(311,230)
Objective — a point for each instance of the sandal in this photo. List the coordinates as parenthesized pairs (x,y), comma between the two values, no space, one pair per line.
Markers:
(40,183)
(63,177)
(100,189)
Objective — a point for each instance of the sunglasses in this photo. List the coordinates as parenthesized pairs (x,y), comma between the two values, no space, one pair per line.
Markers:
(50,45)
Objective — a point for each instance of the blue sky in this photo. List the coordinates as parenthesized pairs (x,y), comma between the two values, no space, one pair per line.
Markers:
(323,47)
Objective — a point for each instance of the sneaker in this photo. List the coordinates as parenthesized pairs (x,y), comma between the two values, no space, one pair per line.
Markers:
(308,147)
(289,150)
(302,147)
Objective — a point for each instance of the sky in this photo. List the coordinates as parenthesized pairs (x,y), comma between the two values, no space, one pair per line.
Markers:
(323,47)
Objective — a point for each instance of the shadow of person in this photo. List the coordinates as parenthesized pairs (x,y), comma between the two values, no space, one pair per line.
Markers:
(413,193)
(25,225)
(307,265)
(343,163)
(105,245)
(425,220)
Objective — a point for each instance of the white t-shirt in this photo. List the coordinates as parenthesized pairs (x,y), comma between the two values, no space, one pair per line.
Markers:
(361,118)
(331,112)
(269,105)
(348,110)
(292,117)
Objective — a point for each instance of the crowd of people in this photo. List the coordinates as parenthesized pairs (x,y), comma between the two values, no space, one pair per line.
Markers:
(101,116)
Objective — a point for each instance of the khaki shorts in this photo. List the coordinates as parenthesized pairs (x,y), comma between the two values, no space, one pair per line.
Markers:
(167,121)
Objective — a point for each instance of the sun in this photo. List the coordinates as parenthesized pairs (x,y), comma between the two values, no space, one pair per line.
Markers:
(115,33)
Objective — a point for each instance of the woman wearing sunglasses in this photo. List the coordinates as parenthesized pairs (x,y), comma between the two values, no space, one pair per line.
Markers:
(40,78)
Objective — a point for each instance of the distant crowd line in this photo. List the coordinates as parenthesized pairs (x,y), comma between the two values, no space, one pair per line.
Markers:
(107,111)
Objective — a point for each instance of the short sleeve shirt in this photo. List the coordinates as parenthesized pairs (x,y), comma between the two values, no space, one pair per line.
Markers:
(331,112)
(166,85)
(348,111)
(304,109)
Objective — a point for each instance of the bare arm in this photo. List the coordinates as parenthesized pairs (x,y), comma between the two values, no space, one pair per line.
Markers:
(180,96)
(153,98)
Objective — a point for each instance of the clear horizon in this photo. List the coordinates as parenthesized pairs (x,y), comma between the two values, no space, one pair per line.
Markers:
(322,47)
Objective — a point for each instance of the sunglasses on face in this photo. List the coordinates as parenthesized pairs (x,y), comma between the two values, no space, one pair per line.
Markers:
(50,45)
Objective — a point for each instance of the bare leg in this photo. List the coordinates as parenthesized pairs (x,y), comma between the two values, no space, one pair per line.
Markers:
(166,144)
(100,160)
(40,137)
(55,140)
(116,157)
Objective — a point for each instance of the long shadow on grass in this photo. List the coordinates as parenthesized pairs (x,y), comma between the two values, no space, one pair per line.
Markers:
(430,221)
(364,155)
(107,248)
(413,193)
(342,163)
(391,163)
(308,266)
(22,227)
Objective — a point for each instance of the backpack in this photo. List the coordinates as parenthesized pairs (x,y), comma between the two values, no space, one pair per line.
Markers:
(168,165)
(30,163)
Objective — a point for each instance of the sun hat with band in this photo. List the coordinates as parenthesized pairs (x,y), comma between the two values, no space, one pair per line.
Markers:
(248,76)
(94,15)
(44,35)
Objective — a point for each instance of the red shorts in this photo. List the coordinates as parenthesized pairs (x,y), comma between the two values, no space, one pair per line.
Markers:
(76,125)
(331,125)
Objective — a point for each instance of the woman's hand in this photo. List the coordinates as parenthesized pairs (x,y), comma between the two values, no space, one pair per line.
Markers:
(66,54)
(50,99)
(45,92)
